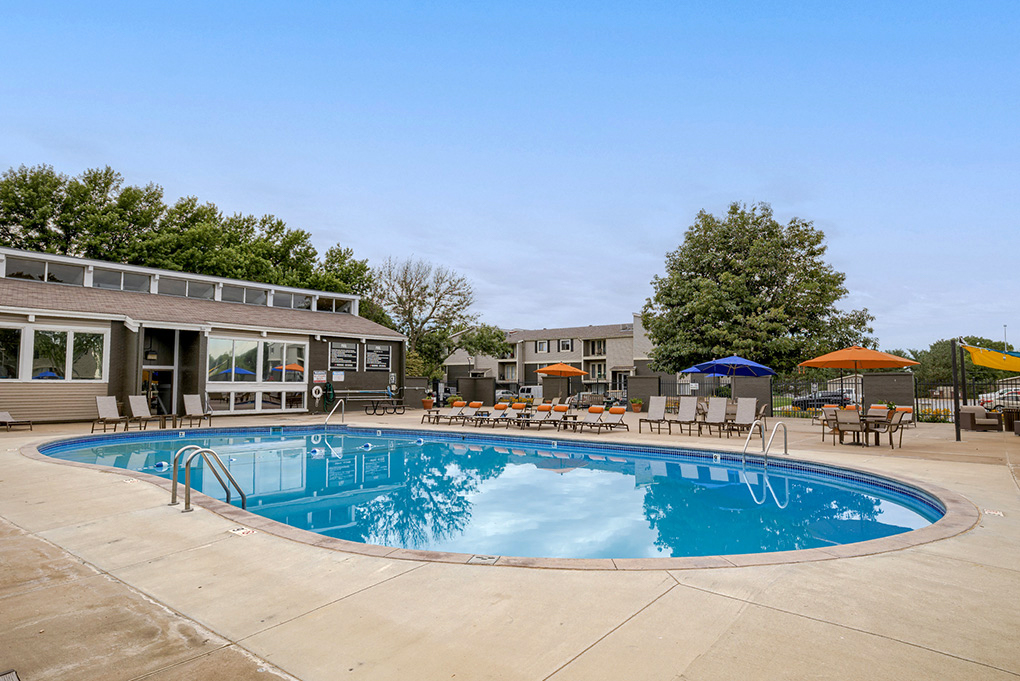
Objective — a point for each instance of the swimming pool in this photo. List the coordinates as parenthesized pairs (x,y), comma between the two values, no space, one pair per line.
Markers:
(506,496)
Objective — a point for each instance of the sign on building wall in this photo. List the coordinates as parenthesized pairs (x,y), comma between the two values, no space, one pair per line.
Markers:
(377,357)
(343,356)
(338,376)
(319,376)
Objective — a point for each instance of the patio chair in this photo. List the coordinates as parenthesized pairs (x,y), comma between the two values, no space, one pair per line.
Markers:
(593,416)
(108,413)
(501,414)
(896,424)
(656,415)
(193,409)
(556,416)
(10,422)
(974,417)
(611,420)
(687,414)
(828,421)
(466,413)
(763,411)
(908,417)
(747,408)
(451,412)
(850,421)
(877,411)
(140,413)
(541,415)
(716,415)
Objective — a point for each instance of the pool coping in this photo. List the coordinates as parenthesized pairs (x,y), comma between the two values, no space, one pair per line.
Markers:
(960,516)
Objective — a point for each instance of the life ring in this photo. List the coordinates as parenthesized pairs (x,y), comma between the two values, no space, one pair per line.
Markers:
(317,391)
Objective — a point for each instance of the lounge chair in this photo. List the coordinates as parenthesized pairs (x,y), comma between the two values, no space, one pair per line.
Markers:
(593,416)
(108,413)
(763,411)
(466,413)
(193,409)
(656,415)
(974,417)
(542,414)
(140,413)
(611,420)
(498,415)
(716,415)
(10,422)
(747,408)
(850,421)
(891,426)
(451,412)
(828,421)
(556,416)
(687,415)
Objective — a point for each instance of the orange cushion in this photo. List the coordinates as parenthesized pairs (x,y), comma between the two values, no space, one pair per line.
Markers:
(561,407)
(909,410)
(519,405)
(544,407)
(459,403)
(617,410)
(475,405)
(830,406)
(501,406)
(596,410)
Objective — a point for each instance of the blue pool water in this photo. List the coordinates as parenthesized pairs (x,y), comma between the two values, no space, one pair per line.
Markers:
(518,497)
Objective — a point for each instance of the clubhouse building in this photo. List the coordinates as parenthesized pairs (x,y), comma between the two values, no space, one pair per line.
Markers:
(72,329)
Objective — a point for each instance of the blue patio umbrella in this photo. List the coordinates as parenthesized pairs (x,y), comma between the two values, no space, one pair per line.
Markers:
(238,370)
(730,366)
(47,374)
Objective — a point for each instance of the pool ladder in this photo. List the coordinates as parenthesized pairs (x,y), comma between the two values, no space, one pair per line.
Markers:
(212,461)
(766,483)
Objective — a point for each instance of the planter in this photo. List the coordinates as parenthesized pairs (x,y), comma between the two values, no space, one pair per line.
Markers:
(636,407)
(427,403)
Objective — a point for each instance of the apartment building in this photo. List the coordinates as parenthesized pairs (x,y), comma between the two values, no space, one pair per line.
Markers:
(610,353)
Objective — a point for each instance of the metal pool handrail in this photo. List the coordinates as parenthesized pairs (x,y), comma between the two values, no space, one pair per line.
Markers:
(212,460)
(343,412)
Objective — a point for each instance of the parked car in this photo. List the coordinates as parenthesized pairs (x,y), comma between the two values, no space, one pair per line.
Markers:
(506,395)
(1007,397)
(817,400)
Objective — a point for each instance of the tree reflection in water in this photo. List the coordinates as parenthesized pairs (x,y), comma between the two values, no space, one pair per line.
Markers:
(432,505)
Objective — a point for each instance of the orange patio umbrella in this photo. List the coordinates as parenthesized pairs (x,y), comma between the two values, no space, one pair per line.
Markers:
(856,358)
(563,370)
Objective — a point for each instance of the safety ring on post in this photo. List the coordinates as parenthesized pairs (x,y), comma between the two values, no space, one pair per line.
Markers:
(317,391)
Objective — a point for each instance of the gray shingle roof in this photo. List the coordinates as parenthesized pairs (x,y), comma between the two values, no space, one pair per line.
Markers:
(151,308)
(580,332)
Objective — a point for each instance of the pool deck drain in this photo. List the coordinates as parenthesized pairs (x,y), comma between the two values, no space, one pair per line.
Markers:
(260,605)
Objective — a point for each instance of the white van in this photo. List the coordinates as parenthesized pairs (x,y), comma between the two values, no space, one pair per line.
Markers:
(532,393)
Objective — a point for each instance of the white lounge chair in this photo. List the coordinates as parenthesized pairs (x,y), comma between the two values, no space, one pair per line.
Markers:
(746,412)
(8,421)
(193,410)
(611,420)
(656,415)
(108,413)
(140,413)
(593,416)
(716,415)
(452,411)
(687,415)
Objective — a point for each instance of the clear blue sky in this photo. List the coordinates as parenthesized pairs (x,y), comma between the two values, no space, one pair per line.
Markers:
(554,152)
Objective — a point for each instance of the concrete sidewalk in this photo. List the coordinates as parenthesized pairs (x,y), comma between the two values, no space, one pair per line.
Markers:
(100,579)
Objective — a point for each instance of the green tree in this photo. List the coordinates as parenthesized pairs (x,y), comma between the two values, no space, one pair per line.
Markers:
(31,203)
(936,363)
(745,284)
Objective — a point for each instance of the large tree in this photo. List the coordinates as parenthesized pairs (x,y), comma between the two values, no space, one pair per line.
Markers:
(423,298)
(745,284)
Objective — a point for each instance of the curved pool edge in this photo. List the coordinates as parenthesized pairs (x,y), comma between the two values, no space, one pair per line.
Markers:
(960,516)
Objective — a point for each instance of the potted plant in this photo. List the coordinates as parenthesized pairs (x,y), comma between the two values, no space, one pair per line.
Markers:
(428,400)
(636,403)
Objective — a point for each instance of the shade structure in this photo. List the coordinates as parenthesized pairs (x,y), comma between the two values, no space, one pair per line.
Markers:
(561,369)
(730,366)
(856,358)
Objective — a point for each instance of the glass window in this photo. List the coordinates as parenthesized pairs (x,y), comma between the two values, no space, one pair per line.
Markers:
(244,401)
(295,401)
(566,345)
(324,304)
(254,296)
(10,352)
(232,294)
(200,289)
(302,302)
(20,268)
(541,346)
(272,401)
(295,367)
(87,357)
(136,282)
(173,287)
(272,361)
(106,279)
(246,365)
(220,354)
(219,401)
(49,355)
(282,299)
(65,274)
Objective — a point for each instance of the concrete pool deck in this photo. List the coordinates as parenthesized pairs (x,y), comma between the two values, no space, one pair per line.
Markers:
(100,579)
